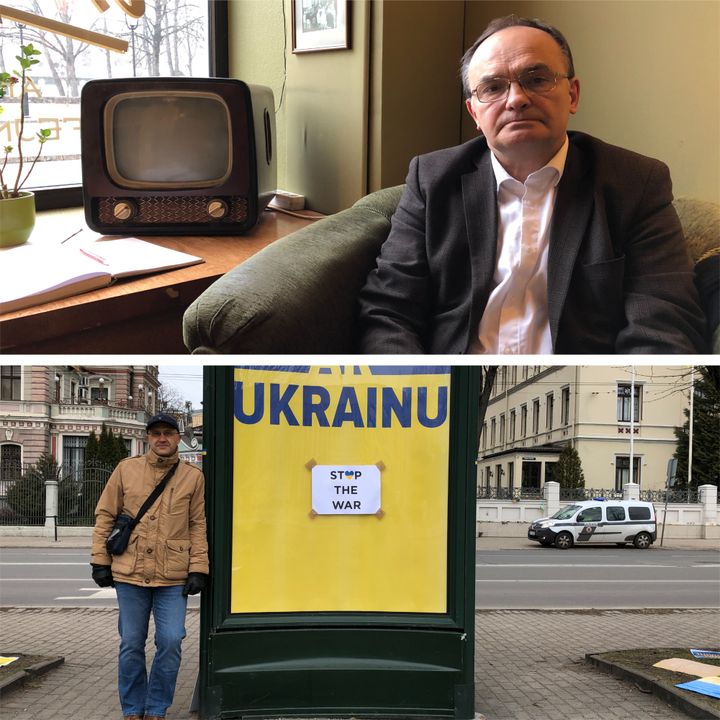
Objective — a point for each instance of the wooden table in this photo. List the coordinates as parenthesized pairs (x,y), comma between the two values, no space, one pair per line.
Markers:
(140,315)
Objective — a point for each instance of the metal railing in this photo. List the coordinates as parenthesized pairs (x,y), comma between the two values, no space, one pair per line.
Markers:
(579,494)
(23,493)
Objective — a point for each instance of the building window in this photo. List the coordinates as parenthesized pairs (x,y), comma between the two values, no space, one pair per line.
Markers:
(74,452)
(523,421)
(536,417)
(511,429)
(549,471)
(172,38)
(511,477)
(99,395)
(623,402)
(622,471)
(484,436)
(502,430)
(565,406)
(492,433)
(10,376)
(10,464)
(549,410)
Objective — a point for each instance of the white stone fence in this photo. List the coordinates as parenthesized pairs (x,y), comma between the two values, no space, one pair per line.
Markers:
(505,518)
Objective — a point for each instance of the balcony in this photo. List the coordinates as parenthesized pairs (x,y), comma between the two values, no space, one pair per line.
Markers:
(99,410)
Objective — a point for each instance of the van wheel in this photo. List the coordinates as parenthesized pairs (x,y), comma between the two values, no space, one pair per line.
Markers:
(564,541)
(642,541)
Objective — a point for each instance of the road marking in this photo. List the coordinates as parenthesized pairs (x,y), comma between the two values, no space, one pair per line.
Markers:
(44,563)
(613,581)
(572,565)
(101,594)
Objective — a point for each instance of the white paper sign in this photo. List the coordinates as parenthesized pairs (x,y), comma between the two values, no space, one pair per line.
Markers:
(346,490)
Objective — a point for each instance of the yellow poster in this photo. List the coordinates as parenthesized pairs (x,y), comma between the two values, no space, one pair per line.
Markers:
(369,447)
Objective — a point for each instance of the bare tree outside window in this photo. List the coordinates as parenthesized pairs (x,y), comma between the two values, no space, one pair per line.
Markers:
(170,39)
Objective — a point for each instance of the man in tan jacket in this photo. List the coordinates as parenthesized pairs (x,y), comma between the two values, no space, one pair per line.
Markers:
(166,560)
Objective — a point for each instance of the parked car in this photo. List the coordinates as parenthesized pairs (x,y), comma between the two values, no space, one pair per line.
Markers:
(598,521)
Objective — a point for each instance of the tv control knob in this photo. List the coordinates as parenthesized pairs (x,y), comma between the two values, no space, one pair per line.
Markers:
(123,210)
(217,209)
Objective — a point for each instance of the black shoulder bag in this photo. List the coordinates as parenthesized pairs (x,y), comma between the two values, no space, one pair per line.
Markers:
(119,536)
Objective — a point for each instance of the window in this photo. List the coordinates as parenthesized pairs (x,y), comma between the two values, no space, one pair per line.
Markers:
(99,394)
(74,451)
(492,433)
(536,417)
(565,406)
(615,513)
(10,376)
(10,463)
(623,402)
(549,410)
(639,512)
(549,471)
(511,429)
(502,430)
(176,37)
(511,477)
(593,514)
(622,471)
(498,476)
(484,436)
(523,420)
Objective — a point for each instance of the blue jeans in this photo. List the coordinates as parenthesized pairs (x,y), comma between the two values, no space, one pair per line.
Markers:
(140,694)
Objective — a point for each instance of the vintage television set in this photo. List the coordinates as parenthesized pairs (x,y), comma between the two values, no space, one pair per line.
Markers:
(176,155)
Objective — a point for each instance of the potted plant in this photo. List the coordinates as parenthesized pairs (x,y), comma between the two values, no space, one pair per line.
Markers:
(17,206)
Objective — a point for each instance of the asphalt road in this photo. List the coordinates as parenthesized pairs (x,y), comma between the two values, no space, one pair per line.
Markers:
(597,577)
(541,578)
(49,577)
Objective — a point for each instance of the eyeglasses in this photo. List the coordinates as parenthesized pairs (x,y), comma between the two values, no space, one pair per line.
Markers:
(161,433)
(538,82)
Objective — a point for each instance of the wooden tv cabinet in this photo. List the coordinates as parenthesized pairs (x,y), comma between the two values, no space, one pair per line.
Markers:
(141,315)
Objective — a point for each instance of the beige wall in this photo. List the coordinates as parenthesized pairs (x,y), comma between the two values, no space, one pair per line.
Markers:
(649,73)
(416,100)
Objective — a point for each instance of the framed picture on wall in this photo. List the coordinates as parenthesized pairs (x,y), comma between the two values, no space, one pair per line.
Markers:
(320,25)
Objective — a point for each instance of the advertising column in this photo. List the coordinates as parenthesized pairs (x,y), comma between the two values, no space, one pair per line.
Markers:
(341,541)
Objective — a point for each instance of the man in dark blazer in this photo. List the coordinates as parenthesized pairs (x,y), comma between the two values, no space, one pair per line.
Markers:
(531,239)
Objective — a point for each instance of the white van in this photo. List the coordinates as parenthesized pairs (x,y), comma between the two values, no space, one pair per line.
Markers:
(598,521)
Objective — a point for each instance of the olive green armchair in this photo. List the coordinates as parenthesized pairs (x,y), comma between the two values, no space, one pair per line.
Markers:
(299,294)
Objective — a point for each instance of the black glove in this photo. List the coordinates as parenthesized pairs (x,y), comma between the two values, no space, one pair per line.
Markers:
(194,584)
(102,576)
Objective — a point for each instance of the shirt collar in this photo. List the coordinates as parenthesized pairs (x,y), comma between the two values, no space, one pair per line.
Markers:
(557,163)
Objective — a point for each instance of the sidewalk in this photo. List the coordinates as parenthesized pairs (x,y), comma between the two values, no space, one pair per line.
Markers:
(529,665)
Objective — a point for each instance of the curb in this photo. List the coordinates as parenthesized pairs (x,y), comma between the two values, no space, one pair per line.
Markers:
(22,676)
(647,684)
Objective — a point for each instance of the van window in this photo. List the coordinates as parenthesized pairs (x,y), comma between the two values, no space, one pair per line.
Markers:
(615,512)
(639,513)
(564,513)
(593,514)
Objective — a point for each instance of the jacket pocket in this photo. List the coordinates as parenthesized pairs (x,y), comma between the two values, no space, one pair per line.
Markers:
(125,564)
(177,559)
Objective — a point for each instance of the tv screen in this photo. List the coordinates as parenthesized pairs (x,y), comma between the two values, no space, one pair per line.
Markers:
(144,132)
(176,155)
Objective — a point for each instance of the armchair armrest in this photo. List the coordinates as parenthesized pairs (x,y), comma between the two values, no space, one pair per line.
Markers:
(298,295)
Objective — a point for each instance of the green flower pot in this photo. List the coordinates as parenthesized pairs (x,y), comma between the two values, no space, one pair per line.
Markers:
(17,219)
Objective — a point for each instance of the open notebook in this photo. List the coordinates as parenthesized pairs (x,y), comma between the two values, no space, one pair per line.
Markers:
(35,274)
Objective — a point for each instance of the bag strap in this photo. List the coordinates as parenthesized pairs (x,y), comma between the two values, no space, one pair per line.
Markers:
(154,494)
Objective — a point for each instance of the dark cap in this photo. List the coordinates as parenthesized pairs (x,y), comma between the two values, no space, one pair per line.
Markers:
(162,418)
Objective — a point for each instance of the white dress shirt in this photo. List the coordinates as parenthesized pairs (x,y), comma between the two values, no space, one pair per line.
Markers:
(515,320)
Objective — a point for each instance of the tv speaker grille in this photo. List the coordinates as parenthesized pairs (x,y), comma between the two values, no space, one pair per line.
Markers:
(157,210)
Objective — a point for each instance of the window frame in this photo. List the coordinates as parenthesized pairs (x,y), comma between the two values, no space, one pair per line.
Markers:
(66,196)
